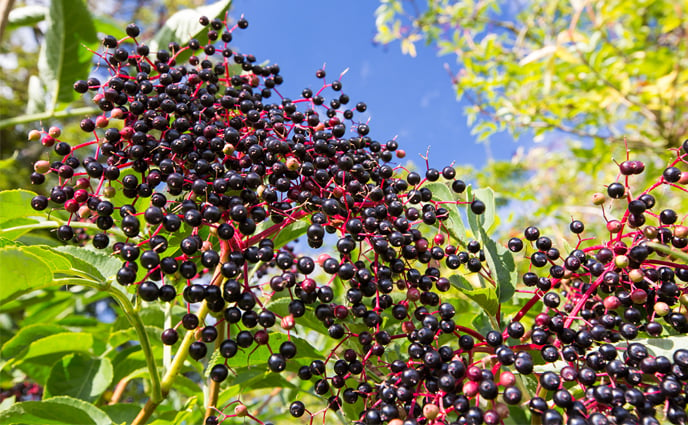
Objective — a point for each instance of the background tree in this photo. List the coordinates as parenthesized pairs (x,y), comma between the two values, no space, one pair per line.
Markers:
(603,70)
(586,78)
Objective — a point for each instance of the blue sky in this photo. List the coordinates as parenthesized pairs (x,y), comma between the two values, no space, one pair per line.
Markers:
(411,98)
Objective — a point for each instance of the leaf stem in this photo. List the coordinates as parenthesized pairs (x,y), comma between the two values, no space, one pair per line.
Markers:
(183,350)
(214,386)
(137,323)
(67,113)
(666,250)
(51,224)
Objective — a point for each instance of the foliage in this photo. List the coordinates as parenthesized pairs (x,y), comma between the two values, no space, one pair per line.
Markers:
(603,70)
(178,288)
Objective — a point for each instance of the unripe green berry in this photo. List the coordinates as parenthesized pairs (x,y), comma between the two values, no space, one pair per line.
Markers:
(109,191)
(41,166)
(636,275)
(598,198)
(621,261)
(34,135)
(662,309)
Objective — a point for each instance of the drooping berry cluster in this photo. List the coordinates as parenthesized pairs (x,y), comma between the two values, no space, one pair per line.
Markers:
(200,169)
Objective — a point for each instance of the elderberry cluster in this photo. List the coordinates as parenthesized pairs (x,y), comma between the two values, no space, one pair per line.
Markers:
(198,167)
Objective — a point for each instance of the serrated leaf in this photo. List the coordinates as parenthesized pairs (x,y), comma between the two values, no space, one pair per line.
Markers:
(80,376)
(26,335)
(486,219)
(57,262)
(259,358)
(63,57)
(454,223)
(13,228)
(21,272)
(100,267)
(15,204)
(54,411)
(58,345)
(502,267)
(486,297)
(122,413)
(184,25)
(8,242)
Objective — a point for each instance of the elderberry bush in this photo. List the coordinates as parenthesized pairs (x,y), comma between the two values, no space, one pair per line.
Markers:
(199,175)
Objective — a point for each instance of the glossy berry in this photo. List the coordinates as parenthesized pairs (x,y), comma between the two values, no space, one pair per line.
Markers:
(616,190)
(219,373)
(197,350)
(477,207)
(672,174)
(169,336)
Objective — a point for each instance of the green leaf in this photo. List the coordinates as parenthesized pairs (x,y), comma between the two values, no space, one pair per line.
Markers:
(290,233)
(26,16)
(100,267)
(58,345)
(259,357)
(454,223)
(54,411)
(184,25)
(248,379)
(179,417)
(122,413)
(7,242)
(666,250)
(80,376)
(127,360)
(109,26)
(122,336)
(56,261)
(64,57)
(485,220)
(502,267)
(15,204)
(280,306)
(21,272)
(51,308)
(13,228)
(26,335)
(660,346)
(486,297)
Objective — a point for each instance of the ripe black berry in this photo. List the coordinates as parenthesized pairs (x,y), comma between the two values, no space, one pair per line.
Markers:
(219,372)
(478,207)
(133,30)
(616,190)
(672,174)
(169,336)
(197,350)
